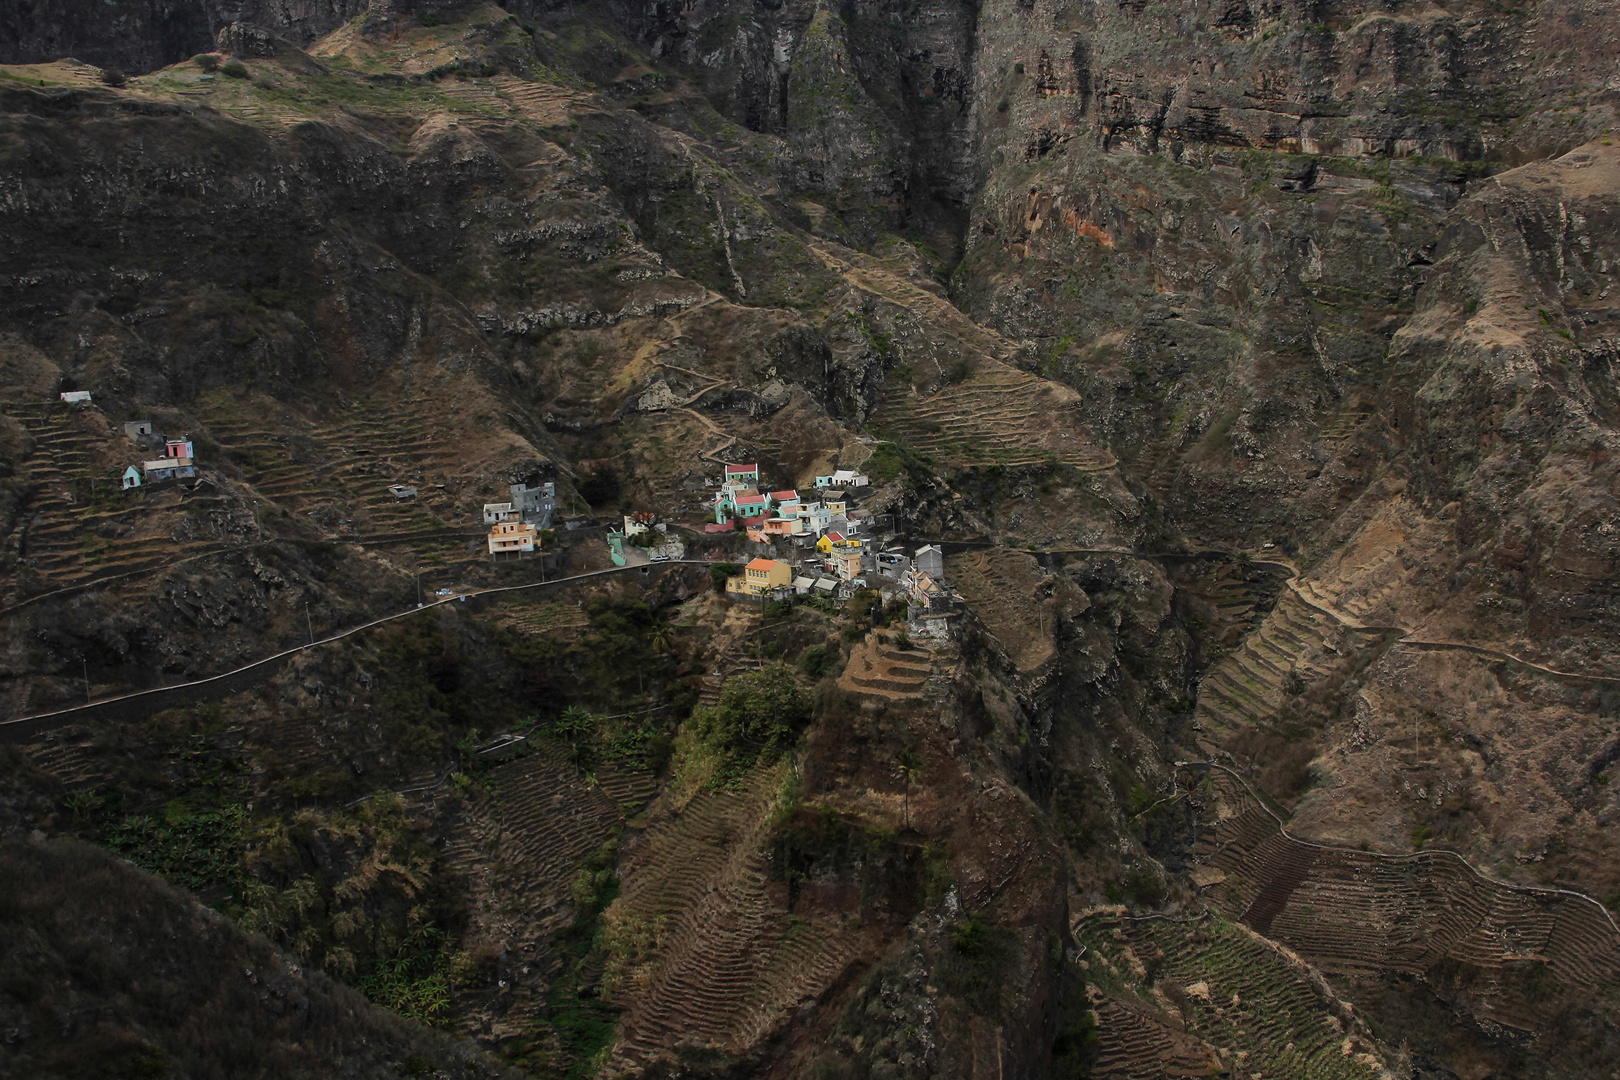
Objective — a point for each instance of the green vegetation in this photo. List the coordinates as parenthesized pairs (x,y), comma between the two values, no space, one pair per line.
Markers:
(816,844)
(758,716)
(197,850)
(976,961)
(1074,1051)
(884,464)
(579,1021)
(818,660)
(720,573)
(415,981)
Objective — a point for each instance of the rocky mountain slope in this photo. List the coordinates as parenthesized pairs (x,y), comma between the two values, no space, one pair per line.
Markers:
(1258,354)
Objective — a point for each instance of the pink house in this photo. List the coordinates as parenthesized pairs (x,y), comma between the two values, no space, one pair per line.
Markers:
(178,448)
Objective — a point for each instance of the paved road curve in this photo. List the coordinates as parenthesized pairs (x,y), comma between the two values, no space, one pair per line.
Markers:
(23,728)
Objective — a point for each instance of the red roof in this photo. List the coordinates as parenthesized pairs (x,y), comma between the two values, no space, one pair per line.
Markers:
(784,496)
(749,500)
(836,537)
(730,469)
(761,564)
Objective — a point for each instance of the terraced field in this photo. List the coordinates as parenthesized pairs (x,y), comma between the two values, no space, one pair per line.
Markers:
(1358,913)
(545,104)
(1204,995)
(1001,588)
(999,416)
(881,668)
(519,846)
(1296,644)
(71,536)
(340,472)
(729,965)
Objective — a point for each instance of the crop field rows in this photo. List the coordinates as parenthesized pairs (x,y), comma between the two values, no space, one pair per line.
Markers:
(729,966)
(1188,998)
(1357,913)
(545,104)
(350,463)
(545,818)
(1009,419)
(68,539)
(882,669)
(1295,640)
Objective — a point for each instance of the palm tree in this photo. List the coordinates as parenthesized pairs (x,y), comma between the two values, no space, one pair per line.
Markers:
(575,723)
(909,767)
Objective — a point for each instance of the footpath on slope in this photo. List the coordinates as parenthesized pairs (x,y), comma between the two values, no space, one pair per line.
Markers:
(258,671)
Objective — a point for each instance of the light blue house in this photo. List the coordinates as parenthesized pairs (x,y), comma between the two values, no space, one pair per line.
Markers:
(132,477)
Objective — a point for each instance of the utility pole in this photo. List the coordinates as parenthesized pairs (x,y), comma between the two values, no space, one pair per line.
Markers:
(419,588)
(86,663)
(310,621)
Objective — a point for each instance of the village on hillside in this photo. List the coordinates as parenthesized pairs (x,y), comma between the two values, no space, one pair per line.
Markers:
(773,543)
(825,545)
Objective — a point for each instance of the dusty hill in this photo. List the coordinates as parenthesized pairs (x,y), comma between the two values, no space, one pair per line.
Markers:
(112,971)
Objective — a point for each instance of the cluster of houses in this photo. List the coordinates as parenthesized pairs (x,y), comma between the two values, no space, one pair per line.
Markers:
(919,578)
(178,462)
(837,548)
(515,524)
(767,515)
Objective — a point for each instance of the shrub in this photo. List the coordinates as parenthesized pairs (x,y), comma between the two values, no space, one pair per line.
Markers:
(208,62)
(816,661)
(1145,888)
(976,962)
(758,715)
(114,77)
(884,464)
(719,573)
(235,69)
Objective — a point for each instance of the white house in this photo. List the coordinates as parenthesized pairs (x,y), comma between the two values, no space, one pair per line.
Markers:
(817,518)
(169,468)
(76,397)
(132,477)
(494,513)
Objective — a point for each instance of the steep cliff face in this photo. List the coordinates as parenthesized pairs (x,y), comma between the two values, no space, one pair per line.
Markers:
(145,35)
(1213,217)
(871,102)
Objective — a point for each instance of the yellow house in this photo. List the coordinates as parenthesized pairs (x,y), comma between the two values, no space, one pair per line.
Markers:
(832,540)
(761,578)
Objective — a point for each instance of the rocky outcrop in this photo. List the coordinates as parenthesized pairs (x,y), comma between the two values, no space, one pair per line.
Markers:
(142,35)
